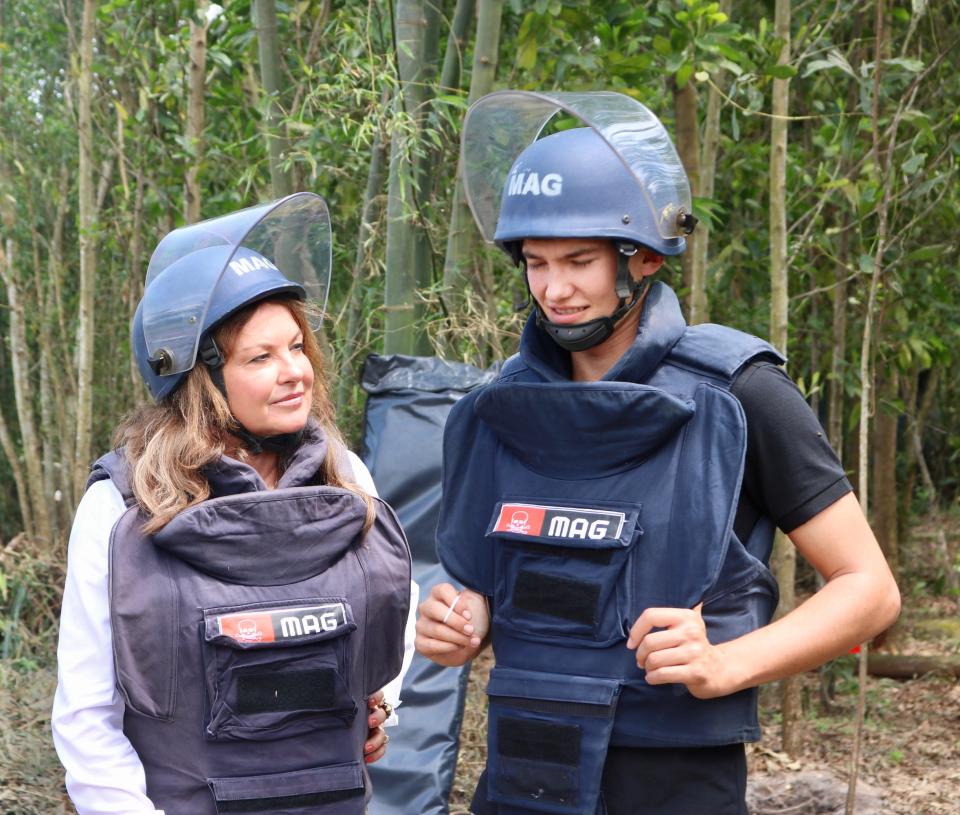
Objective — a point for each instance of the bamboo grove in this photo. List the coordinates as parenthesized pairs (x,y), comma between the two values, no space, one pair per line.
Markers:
(822,139)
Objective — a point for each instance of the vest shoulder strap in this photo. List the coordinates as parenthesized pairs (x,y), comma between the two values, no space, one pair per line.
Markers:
(720,352)
(114,466)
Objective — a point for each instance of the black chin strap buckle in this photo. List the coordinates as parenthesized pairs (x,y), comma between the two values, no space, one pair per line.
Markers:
(626,285)
(210,355)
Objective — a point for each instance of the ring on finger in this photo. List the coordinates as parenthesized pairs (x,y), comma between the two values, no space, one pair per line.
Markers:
(453,605)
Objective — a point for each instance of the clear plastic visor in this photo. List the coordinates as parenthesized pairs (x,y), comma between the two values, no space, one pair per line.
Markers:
(293,233)
(500,125)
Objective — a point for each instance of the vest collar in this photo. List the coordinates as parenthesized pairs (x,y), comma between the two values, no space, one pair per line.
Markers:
(247,534)
(661,326)
(228,476)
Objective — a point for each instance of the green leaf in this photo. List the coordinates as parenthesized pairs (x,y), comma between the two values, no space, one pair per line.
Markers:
(781,71)
(914,66)
(914,163)
(866,264)
(662,45)
(684,73)
(527,54)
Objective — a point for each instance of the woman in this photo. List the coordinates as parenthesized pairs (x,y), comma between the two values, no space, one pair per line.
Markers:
(230,553)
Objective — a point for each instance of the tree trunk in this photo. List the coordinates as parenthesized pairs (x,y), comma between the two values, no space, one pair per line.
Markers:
(700,240)
(462,235)
(785,556)
(885,469)
(268,49)
(866,381)
(196,110)
(406,238)
(905,666)
(688,146)
(375,178)
(839,347)
(23,497)
(456,46)
(88,251)
(918,407)
(20,359)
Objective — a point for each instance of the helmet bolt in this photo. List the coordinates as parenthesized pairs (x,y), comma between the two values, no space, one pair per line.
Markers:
(625,219)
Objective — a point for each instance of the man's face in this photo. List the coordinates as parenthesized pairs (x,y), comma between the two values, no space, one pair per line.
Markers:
(573,280)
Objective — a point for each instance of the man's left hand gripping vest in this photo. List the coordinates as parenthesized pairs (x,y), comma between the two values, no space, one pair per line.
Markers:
(575,506)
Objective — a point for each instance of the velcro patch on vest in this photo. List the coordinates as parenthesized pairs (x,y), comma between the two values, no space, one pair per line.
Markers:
(563,597)
(286,690)
(560,523)
(538,741)
(260,626)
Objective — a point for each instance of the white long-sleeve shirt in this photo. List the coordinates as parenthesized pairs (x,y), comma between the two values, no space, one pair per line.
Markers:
(104,774)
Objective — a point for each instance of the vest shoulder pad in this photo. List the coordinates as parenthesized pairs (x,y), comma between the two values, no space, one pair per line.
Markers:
(114,466)
(512,368)
(719,351)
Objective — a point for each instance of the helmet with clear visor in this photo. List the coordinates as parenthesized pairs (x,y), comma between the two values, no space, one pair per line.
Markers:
(618,177)
(201,274)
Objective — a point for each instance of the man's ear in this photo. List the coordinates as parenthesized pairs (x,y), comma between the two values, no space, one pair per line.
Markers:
(645,263)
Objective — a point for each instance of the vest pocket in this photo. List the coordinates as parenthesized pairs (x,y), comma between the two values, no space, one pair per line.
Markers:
(277,669)
(547,739)
(560,570)
(333,790)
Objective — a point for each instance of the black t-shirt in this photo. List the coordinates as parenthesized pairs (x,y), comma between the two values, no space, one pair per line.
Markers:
(791,472)
(790,475)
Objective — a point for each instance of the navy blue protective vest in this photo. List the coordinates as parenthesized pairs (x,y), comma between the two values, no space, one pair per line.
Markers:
(577,505)
(248,634)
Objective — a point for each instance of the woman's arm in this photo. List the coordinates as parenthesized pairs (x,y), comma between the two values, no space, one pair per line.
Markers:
(859,600)
(103,771)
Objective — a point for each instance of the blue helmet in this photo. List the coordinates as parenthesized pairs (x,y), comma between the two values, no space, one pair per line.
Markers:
(202,273)
(207,285)
(618,178)
(572,185)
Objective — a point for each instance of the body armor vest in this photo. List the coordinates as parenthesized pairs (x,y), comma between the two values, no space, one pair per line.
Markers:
(577,505)
(248,634)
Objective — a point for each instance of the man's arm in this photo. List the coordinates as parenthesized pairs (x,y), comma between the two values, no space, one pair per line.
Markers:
(859,600)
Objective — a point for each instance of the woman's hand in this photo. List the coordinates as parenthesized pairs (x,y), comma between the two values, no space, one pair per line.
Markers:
(452,625)
(672,647)
(376,745)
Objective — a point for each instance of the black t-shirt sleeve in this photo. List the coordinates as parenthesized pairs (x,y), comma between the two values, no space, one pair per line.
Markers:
(791,472)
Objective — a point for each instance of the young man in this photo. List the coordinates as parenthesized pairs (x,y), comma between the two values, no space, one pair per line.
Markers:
(612,498)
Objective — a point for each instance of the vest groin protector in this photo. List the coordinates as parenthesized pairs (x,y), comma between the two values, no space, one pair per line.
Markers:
(575,506)
(249,633)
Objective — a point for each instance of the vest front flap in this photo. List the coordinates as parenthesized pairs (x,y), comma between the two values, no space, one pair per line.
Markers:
(385,560)
(469,448)
(581,430)
(145,622)
(266,538)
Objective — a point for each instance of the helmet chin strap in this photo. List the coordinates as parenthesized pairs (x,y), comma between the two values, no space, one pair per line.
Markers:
(581,336)
(281,443)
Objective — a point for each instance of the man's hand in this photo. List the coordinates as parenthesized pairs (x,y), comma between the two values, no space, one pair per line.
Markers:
(452,625)
(672,647)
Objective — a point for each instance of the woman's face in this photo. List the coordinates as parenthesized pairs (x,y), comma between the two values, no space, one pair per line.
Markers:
(268,378)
